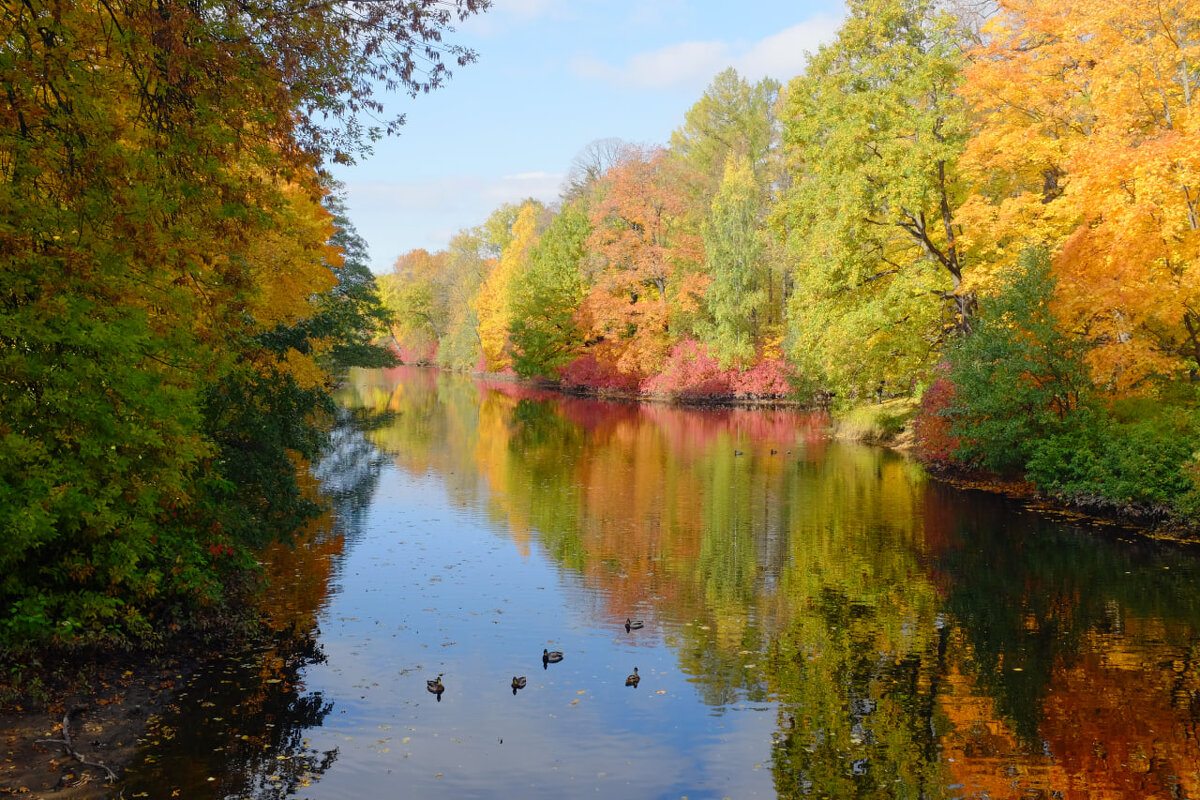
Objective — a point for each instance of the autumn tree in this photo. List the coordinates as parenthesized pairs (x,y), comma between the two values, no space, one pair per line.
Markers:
(466,266)
(493,303)
(873,131)
(589,166)
(416,295)
(734,248)
(1087,143)
(148,155)
(650,256)
(546,297)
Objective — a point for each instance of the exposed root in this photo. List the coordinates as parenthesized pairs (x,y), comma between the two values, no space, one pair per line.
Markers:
(65,741)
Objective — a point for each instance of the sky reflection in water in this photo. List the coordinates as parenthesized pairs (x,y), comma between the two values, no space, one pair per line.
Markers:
(819,622)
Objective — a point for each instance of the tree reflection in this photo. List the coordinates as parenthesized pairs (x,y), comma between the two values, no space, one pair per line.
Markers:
(909,637)
(239,730)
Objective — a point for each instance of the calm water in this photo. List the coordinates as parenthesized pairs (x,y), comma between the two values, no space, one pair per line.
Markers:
(820,620)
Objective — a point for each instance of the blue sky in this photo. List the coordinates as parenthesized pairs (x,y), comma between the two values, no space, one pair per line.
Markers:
(552,76)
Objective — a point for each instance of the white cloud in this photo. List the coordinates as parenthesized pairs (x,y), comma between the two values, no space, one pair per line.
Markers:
(674,65)
(504,15)
(780,55)
(531,176)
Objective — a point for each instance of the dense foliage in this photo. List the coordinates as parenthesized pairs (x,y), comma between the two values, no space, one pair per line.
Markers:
(174,292)
(844,234)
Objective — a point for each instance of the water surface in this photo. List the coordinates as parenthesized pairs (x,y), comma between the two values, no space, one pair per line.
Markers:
(820,620)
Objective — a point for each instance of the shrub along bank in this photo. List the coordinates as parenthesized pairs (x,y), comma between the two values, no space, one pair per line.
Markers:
(1014,398)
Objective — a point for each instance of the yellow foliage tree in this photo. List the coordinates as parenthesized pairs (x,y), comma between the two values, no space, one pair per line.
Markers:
(492,304)
(290,264)
(1088,143)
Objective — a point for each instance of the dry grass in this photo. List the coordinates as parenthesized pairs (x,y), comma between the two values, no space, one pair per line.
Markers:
(888,422)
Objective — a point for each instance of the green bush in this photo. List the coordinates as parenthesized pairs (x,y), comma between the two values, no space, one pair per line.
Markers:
(1017,379)
(1147,465)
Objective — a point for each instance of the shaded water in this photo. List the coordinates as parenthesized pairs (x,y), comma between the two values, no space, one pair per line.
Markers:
(819,621)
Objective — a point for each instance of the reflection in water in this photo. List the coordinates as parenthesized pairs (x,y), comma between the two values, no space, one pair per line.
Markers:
(819,621)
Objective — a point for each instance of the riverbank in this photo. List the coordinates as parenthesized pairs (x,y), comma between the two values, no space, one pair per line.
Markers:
(107,716)
(889,423)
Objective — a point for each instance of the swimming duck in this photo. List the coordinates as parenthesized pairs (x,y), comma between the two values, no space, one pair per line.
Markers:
(518,683)
(551,657)
(633,679)
(436,686)
(632,625)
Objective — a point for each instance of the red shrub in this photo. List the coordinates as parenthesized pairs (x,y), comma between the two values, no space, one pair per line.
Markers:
(421,352)
(931,427)
(771,377)
(586,372)
(691,372)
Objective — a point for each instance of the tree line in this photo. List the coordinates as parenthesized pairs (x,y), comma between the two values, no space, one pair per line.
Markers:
(998,214)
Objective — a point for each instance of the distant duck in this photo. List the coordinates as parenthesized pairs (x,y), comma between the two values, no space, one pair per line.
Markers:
(518,683)
(436,686)
(737,452)
(551,657)
(632,625)
(633,679)
(774,451)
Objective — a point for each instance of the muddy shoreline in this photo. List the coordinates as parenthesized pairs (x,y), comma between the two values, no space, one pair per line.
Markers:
(106,721)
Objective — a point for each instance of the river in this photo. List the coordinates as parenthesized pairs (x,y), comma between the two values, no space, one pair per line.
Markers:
(818,619)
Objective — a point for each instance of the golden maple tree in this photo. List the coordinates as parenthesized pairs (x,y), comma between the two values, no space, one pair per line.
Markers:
(1087,142)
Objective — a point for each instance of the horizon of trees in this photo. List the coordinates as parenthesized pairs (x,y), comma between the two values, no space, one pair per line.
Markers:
(846,232)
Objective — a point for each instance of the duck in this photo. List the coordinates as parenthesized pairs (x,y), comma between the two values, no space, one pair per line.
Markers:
(633,625)
(551,657)
(518,683)
(436,686)
(633,679)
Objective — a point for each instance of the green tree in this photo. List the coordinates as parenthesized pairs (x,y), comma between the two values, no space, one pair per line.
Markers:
(466,267)
(873,130)
(547,295)
(733,119)
(734,248)
(146,152)
(415,294)
(351,314)
(1018,379)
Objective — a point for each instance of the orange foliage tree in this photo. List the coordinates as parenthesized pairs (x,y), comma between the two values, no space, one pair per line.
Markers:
(1087,142)
(650,279)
